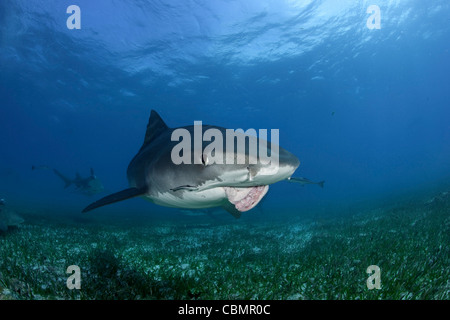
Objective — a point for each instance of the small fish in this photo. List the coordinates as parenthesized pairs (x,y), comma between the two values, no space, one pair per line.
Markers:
(304,181)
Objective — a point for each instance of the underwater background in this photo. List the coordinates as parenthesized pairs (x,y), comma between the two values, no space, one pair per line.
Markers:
(365,109)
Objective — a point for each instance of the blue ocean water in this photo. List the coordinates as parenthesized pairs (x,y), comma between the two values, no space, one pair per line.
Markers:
(359,91)
(364,109)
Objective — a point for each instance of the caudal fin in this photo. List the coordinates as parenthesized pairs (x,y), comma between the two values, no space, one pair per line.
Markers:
(321,183)
(116,197)
(66,180)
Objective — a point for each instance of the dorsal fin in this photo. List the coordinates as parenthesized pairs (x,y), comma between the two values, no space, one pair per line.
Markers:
(155,127)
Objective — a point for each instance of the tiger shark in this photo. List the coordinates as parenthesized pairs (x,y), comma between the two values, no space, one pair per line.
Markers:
(237,187)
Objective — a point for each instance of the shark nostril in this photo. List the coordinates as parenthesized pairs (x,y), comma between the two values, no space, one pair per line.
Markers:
(250,176)
(205,160)
(252,171)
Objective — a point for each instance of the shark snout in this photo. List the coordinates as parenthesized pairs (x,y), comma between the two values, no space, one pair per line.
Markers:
(279,168)
(288,159)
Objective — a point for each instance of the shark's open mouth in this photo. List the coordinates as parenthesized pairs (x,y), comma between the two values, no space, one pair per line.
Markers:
(247,198)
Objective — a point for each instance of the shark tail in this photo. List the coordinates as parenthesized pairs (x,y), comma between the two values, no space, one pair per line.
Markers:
(66,180)
(321,183)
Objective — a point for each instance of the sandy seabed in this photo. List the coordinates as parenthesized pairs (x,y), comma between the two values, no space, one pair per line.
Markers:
(204,258)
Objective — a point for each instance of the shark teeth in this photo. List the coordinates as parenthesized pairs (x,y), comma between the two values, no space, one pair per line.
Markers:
(247,198)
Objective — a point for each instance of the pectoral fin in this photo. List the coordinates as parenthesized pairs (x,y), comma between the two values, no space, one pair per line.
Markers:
(116,197)
(231,209)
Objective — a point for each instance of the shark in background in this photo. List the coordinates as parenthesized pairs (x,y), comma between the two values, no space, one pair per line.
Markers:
(235,187)
(88,186)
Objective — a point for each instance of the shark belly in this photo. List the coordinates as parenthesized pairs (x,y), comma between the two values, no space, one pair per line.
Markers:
(213,197)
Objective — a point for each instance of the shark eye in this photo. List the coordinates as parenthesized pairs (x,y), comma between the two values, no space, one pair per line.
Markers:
(205,159)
